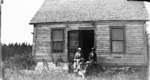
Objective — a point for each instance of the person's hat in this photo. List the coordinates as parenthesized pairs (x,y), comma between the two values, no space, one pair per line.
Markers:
(79,49)
(93,48)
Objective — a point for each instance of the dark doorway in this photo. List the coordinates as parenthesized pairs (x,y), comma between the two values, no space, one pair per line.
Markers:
(80,38)
(86,42)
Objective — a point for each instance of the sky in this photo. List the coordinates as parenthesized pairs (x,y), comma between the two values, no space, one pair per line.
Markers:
(16,15)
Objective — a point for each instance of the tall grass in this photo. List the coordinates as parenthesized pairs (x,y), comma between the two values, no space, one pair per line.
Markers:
(15,74)
(19,68)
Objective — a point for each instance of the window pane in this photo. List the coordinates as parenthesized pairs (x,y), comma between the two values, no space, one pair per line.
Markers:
(57,35)
(117,34)
(58,46)
(117,46)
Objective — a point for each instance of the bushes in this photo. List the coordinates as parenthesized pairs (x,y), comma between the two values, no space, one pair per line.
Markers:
(20,62)
(12,50)
(17,56)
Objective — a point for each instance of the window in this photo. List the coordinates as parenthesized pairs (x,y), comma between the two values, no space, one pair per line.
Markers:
(57,40)
(117,39)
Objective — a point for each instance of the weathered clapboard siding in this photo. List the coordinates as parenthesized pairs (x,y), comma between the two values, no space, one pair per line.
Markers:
(42,46)
(135,39)
(135,44)
(123,59)
(43,43)
(102,39)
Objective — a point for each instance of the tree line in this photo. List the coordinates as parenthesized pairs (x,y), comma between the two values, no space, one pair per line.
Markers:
(12,49)
(18,55)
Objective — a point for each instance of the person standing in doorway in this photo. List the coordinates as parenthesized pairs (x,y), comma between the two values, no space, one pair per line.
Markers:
(93,56)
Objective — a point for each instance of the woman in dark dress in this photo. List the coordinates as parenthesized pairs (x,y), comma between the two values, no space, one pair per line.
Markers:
(93,56)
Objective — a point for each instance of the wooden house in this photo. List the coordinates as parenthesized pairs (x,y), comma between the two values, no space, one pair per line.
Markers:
(116,28)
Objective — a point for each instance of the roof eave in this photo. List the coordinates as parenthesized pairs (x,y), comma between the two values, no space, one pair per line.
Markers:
(32,23)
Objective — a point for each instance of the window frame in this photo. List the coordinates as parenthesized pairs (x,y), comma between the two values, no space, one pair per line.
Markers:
(123,41)
(52,40)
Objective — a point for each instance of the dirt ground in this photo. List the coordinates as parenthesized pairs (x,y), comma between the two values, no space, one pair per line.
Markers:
(138,74)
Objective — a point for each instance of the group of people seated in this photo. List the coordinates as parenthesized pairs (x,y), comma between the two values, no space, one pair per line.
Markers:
(79,60)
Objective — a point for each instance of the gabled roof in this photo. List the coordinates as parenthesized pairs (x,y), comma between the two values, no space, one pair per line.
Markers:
(90,10)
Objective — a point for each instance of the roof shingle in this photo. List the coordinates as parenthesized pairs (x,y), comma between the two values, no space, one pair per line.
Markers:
(90,10)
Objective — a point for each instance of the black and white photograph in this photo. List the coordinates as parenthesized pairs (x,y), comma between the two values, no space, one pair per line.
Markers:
(74,40)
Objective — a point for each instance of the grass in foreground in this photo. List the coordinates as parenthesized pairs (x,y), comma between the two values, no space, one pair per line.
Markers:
(64,75)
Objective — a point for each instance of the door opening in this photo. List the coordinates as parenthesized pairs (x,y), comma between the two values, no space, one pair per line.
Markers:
(80,38)
(86,42)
